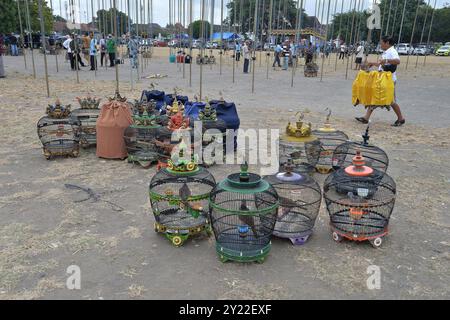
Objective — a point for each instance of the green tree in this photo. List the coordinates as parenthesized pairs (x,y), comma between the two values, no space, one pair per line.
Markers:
(34,16)
(105,19)
(284,14)
(8,14)
(196,28)
(441,26)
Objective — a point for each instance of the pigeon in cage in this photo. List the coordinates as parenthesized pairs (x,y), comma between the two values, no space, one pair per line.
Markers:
(360,201)
(179,196)
(300,198)
(243,210)
(58,132)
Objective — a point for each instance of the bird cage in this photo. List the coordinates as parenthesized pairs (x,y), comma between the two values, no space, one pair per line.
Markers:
(243,210)
(375,157)
(87,116)
(58,133)
(330,139)
(179,197)
(300,199)
(140,140)
(150,107)
(211,126)
(311,70)
(360,201)
(300,145)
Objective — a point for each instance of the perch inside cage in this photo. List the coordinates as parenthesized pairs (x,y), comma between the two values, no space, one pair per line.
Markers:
(86,116)
(300,146)
(330,138)
(360,201)
(300,198)
(59,134)
(375,157)
(179,197)
(243,210)
(140,139)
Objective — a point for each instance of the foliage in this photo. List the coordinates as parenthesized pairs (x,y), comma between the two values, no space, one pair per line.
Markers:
(196,27)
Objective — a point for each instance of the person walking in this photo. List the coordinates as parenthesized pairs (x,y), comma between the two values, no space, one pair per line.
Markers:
(93,52)
(111,48)
(2,51)
(389,61)
(86,41)
(246,52)
(343,50)
(103,56)
(133,48)
(359,56)
(70,53)
(75,48)
(238,51)
(13,43)
(277,54)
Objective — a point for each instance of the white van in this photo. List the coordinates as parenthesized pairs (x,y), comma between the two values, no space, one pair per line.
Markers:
(404,49)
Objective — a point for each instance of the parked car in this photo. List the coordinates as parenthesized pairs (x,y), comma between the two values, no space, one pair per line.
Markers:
(422,50)
(405,49)
(443,51)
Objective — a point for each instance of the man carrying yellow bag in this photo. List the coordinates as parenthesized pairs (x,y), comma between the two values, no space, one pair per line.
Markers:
(388,62)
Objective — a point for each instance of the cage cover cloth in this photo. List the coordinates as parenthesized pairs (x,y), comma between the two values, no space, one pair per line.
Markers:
(114,118)
(373,88)
(158,96)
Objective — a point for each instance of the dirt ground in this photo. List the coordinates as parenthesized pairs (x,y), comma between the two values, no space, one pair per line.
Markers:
(44,230)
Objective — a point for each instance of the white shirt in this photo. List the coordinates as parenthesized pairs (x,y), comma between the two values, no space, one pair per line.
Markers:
(360,52)
(66,45)
(246,52)
(390,54)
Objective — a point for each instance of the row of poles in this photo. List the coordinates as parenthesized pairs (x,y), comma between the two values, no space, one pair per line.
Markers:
(181,14)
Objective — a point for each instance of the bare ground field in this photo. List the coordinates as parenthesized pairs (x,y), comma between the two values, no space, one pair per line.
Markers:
(43,228)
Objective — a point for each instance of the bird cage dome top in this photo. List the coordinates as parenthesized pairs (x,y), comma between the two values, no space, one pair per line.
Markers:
(244,182)
(58,111)
(327,127)
(180,164)
(89,103)
(300,131)
(208,113)
(145,121)
(375,156)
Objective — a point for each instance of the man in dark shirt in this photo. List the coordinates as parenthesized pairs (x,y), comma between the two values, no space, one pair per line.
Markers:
(13,43)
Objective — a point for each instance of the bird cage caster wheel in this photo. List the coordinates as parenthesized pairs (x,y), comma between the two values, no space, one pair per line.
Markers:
(223,259)
(145,164)
(75,154)
(299,241)
(261,260)
(155,226)
(337,237)
(177,241)
(376,243)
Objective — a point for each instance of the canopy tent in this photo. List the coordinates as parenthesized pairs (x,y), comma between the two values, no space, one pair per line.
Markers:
(227,36)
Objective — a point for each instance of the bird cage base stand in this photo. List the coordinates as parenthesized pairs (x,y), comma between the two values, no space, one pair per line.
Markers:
(375,240)
(258,256)
(145,161)
(297,240)
(66,151)
(179,236)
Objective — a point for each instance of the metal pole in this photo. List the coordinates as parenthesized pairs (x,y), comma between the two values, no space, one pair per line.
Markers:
(129,28)
(137,35)
(263,10)
(326,41)
(270,37)
(395,17)
(30,38)
(297,27)
(202,48)
(116,37)
(412,33)
(221,35)
(332,29)
(255,31)
(191,35)
(403,20)
(429,33)
(339,37)
(351,37)
(234,56)
(41,17)
(21,35)
(423,31)
(389,17)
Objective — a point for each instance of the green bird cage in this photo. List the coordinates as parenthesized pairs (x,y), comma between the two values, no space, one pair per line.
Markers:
(243,210)
(179,197)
